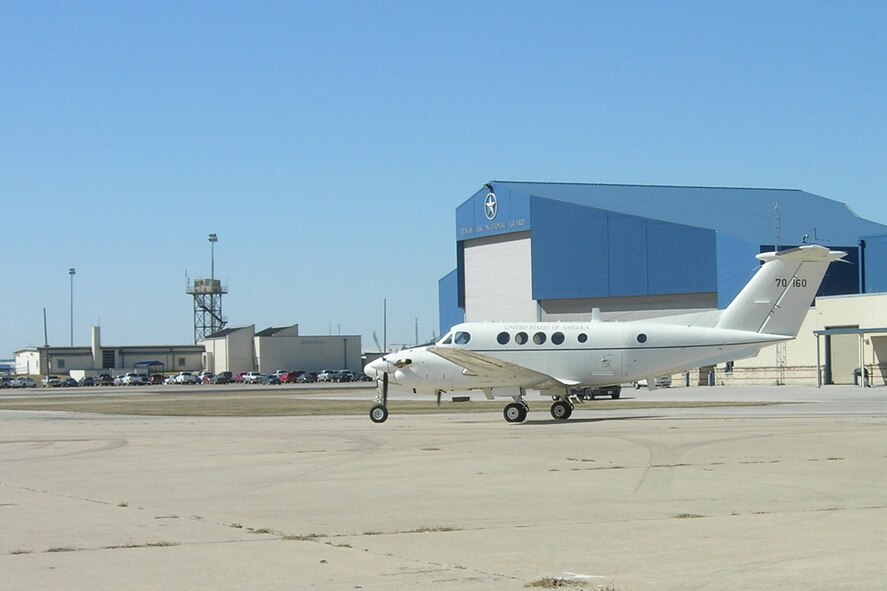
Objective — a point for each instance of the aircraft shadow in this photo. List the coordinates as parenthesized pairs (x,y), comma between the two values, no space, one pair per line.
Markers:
(586,420)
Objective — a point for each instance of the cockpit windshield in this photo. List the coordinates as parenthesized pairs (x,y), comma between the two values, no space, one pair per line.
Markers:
(447,339)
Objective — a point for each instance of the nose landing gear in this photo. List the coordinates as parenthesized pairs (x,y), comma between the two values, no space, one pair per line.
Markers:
(379,412)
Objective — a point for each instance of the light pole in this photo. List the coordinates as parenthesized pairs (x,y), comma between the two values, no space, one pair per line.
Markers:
(212,255)
(72,271)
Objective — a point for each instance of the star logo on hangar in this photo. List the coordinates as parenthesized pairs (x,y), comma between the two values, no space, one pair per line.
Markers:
(490,206)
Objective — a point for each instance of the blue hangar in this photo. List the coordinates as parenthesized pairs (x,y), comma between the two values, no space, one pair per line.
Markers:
(553,251)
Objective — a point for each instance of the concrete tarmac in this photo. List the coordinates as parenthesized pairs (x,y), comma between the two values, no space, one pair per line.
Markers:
(789,496)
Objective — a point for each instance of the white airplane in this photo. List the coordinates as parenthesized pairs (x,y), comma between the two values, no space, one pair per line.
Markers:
(562,358)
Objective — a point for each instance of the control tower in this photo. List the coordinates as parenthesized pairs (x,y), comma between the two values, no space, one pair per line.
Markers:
(207,294)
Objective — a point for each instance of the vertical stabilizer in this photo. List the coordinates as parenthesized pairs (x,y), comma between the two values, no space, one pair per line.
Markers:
(777,298)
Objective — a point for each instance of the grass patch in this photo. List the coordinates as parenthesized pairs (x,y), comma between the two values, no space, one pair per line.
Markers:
(236,525)
(302,537)
(63,549)
(432,530)
(265,530)
(146,545)
(237,402)
(21,551)
(555,583)
(123,504)
(688,516)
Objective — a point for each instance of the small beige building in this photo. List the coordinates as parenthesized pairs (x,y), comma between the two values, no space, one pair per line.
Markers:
(242,349)
(795,362)
(99,358)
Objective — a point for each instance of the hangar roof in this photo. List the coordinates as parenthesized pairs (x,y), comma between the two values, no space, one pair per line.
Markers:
(747,213)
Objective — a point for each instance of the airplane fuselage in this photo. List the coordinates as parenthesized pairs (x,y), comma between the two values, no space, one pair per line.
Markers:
(575,354)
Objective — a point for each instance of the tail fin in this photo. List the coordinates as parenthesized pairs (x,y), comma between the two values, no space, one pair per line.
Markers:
(777,298)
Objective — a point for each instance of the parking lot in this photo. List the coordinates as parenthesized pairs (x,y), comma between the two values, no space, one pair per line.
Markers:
(662,496)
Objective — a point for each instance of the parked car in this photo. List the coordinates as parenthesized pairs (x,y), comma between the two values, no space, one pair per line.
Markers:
(53,381)
(223,377)
(154,379)
(253,377)
(132,379)
(4,381)
(86,381)
(345,375)
(661,382)
(309,377)
(328,375)
(169,380)
(22,382)
(186,377)
(206,377)
(70,383)
(271,380)
(104,379)
(290,377)
(239,377)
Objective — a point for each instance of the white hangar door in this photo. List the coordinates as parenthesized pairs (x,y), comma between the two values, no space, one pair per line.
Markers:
(498,279)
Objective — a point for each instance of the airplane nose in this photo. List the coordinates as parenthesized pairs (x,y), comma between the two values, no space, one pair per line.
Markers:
(374,369)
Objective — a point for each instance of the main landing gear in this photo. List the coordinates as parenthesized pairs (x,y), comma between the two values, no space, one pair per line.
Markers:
(516,412)
(561,409)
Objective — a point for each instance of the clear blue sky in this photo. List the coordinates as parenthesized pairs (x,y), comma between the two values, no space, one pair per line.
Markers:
(328,144)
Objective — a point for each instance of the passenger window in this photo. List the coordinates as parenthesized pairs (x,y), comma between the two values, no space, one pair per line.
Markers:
(503,338)
(521,338)
(557,338)
(462,338)
(539,338)
(642,338)
(582,337)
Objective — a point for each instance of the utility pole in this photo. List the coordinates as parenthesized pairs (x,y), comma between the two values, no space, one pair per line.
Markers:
(72,271)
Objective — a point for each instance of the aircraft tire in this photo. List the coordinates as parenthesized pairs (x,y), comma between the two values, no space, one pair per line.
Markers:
(515,412)
(615,394)
(378,414)
(561,410)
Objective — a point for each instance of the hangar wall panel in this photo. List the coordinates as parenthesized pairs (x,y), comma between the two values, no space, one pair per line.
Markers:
(681,259)
(570,251)
(876,264)
(498,282)
(627,254)
(736,265)
(448,297)
(582,252)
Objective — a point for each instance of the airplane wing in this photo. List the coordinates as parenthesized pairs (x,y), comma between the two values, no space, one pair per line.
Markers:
(486,365)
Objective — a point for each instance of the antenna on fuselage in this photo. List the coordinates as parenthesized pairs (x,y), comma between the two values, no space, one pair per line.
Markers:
(595,314)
